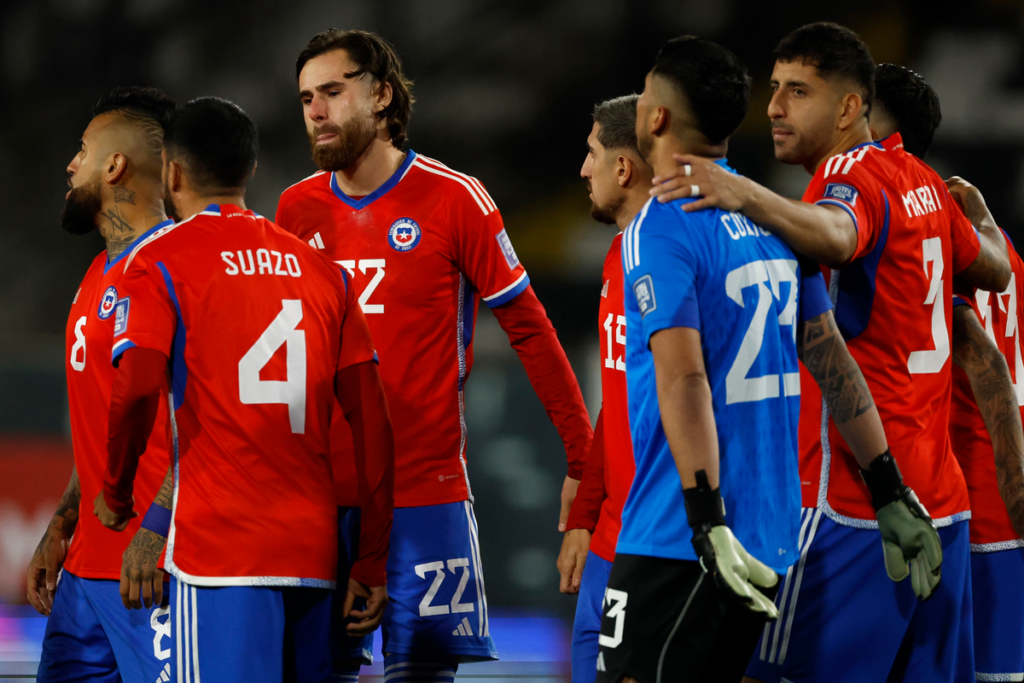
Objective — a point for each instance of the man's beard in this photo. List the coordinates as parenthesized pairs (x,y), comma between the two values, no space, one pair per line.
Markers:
(169,208)
(354,137)
(609,215)
(83,206)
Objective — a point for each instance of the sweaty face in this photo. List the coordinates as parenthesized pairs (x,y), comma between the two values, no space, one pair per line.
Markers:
(804,110)
(644,139)
(339,109)
(606,197)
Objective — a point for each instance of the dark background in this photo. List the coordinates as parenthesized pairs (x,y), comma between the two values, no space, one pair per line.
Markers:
(505,93)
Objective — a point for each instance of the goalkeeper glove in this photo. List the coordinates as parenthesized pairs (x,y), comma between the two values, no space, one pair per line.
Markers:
(909,540)
(721,555)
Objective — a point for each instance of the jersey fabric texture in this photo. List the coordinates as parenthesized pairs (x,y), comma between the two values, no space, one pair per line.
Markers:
(893,307)
(251,633)
(998,596)
(94,323)
(422,251)
(586,627)
(999,313)
(256,325)
(90,636)
(618,446)
(437,604)
(747,294)
(884,632)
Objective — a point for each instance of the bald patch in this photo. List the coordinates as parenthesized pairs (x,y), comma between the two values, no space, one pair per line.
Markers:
(139,138)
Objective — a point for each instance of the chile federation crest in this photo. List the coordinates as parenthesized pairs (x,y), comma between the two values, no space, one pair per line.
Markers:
(404,234)
(107,303)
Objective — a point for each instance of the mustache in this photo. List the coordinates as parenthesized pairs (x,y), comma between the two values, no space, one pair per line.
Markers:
(778,125)
(326,128)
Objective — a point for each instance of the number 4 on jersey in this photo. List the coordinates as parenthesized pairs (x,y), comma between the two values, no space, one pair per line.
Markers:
(292,392)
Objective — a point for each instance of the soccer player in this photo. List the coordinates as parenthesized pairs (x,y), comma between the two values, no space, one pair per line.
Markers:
(618,179)
(892,237)
(718,310)
(259,334)
(422,245)
(115,186)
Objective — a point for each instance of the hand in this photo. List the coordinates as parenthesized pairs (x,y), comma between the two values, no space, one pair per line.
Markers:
(44,567)
(139,572)
(736,572)
(369,618)
(572,559)
(718,187)
(963,192)
(911,544)
(569,487)
(108,517)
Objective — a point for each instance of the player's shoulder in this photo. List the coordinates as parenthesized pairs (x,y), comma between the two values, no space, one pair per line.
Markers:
(310,185)
(452,186)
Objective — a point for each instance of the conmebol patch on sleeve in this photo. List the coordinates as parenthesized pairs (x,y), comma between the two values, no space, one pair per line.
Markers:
(845,193)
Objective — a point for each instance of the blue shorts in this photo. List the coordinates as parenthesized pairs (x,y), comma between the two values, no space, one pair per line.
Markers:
(586,627)
(251,634)
(438,605)
(998,580)
(841,618)
(347,650)
(91,636)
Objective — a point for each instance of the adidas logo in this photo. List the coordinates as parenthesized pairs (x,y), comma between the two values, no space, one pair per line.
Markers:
(600,662)
(463,629)
(316,241)
(165,675)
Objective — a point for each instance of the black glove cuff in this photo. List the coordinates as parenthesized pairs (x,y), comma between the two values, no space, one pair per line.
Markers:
(884,481)
(704,505)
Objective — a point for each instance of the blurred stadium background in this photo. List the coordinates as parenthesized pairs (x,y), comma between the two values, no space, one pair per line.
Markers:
(505,92)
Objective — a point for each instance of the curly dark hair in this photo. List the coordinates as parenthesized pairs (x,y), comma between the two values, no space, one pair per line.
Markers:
(912,103)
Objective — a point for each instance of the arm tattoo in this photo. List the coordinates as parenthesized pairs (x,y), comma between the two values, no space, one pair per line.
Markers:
(824,353)
(65,519)
(996,398)
(165,495)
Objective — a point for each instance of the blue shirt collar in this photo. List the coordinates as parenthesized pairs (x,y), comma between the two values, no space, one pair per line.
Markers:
(137,242)
(358,204)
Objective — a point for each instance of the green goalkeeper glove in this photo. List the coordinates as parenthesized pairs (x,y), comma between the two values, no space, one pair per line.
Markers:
(735,571)
(910,542)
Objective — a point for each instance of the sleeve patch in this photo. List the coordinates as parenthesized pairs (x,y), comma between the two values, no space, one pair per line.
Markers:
(506,248)
(121,315)
(844,193)
(643,289)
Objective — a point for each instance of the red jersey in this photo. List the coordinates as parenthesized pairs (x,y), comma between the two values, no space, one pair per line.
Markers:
(618,445)
(893,305)
(95,551)
(255,325)
(991,529)
(422,251)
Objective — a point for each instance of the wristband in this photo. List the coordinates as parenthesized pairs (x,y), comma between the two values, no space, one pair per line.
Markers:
(157,520)
(704,506)
(884,480)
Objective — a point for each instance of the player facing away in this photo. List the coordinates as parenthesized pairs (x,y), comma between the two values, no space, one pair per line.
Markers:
(618,179)
(258,334)
(115,186)
(891,237)
(718,311)
(422,245)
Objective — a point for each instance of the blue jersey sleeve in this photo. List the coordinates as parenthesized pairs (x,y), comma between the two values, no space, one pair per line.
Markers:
(814,298)
(661,270)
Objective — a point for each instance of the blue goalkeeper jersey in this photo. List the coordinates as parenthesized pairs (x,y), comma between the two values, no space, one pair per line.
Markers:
(746,292)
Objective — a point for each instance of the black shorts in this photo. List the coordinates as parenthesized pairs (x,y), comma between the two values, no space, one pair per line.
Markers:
(666,620)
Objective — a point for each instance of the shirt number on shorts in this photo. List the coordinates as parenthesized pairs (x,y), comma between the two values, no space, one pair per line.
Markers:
(429,610)
(79,346)
(161,630)
(378,275)
(932,361)
(767,276)
(617,611)
(292,392)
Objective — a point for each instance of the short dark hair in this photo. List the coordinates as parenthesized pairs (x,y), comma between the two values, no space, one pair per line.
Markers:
(617,121)
(375,56)
(217,141)
(144,102)
(835,51)
(713,79)
(912,103)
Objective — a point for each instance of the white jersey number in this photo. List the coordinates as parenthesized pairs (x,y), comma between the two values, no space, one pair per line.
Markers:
(378,275)
(1012,328)
(429,610)
(767,277)
(932,361)
(79,345)
(619,326)
(292,392)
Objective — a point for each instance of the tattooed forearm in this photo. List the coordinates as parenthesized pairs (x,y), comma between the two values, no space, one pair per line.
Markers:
(996,398)
(824,353)
(166,492)
(65,520)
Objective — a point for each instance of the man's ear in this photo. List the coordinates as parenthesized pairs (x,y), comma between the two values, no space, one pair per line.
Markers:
(624,170)
(116,169)
(660,120)
(175,177)
(384,95)
(851,108)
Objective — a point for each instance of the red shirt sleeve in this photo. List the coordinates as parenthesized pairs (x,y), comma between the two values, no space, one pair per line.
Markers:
(963,236)
(843,182)
(533,337)
(150,304)
(586,507)
(356,343)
